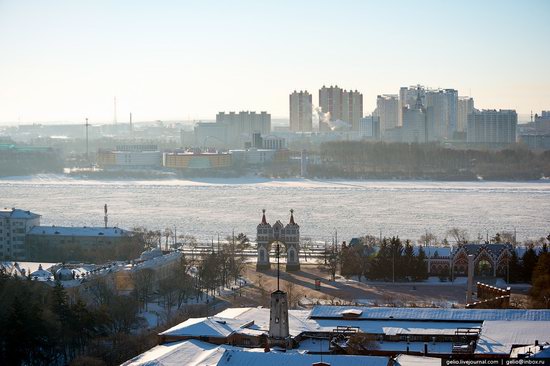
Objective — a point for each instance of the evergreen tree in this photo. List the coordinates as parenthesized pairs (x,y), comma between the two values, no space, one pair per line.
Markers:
(540,291)
(409,260)
(515,269)
(421,267)
(529,262)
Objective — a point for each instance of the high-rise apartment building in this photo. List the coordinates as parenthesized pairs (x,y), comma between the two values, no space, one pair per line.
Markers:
(414,127)
(465,107)
(442,111)
(408,97)
(369,127)
(387,109)
(330,101)
(343,105)
(352,108)
(492,128)
(300,111)
(240,126)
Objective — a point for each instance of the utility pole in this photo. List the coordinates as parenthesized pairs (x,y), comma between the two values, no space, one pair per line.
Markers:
(87,144)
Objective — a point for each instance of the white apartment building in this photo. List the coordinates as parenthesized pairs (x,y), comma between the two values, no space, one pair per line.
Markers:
(492,128)
(241,126)
(408,97)
(442,111)
(301,119)
(387,108)
(465,107)
(14,225)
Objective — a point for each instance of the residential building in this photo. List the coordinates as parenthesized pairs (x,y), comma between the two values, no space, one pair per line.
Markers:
(64,244)
(330,101)
(414,127)
(442,112)
(273,142)
(240,126)
(342,105)
(465,107)
(408,97)
(210,134)
(14,225)
(492,128)
(369,127)
(301,118)
(542,122)
(387,110)
(536,141)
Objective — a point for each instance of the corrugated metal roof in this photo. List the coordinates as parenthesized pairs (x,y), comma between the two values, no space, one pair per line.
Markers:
(433,314)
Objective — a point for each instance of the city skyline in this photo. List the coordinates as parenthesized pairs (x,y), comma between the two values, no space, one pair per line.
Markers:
(67,61)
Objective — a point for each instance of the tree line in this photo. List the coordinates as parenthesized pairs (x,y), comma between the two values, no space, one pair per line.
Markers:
(391,259)
(362,159)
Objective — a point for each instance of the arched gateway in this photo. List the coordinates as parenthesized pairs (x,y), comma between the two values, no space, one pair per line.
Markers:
(288,236)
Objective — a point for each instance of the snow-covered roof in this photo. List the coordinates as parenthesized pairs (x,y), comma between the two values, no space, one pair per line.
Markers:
(408,360)
(197,353)
(498,337)
(541,350)
(78,231)
(435,314)
(207,327)
(191,353)
(394,327)
(298,321)
(242,357)
(15,213)
(431,251)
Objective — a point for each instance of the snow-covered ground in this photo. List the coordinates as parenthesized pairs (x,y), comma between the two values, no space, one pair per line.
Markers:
(157,314)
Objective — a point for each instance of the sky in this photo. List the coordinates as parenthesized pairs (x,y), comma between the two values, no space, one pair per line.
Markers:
(65,60)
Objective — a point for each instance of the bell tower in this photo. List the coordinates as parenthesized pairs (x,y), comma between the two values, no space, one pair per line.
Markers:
(278,311)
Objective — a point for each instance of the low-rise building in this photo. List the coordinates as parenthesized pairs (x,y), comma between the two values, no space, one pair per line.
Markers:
(254,156)
(349,335)
(130,157)
(64,244)
(184,160)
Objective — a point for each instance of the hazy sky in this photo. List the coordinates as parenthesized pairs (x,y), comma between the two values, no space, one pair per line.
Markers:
(65,60)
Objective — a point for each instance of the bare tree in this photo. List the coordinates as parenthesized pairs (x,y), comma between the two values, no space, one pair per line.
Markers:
(428,239)
(293,294)
(460,236)
(168,233)
(100,292)
(143,285)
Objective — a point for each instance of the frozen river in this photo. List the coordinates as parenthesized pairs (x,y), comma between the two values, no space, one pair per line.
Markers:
(208,207)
